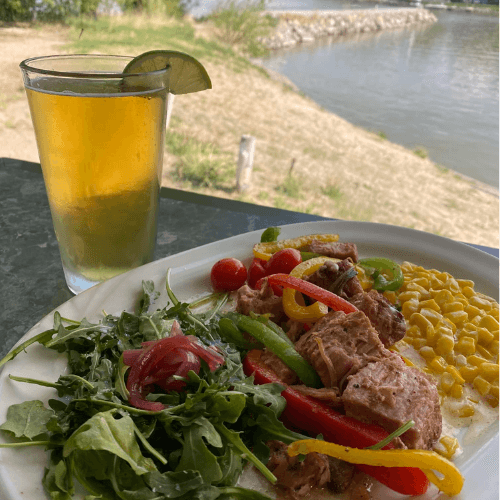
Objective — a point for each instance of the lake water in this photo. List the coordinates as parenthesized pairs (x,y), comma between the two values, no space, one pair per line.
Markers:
(434,87)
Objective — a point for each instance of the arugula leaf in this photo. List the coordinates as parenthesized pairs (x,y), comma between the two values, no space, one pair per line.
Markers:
(27,420)
(58,478)
(270,234)
(105,433)
(149,296)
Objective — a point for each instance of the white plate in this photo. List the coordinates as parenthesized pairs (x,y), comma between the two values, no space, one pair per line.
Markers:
(21,469)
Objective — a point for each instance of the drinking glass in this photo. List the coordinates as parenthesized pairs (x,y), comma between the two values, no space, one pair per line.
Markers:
(100,136)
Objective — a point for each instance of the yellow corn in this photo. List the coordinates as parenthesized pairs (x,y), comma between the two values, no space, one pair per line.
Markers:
(456,374)
(445,344)
(466,411)
(466,345)
(481,385)
(456,317)
(457,391)
(438,364)
(430,304)
(489,322)
(468,372)
(421,321)
(484,336)
(480,303)
(454,306)
(427,352)
(447,381)
(450,445)
(430,314)
(443,296)
(483,352)
(409,307)
(489,371)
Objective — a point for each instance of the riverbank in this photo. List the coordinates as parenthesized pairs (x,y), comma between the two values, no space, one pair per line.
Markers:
(295,27)
(306,158)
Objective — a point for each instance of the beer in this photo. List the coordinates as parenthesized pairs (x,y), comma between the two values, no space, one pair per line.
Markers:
(101,151)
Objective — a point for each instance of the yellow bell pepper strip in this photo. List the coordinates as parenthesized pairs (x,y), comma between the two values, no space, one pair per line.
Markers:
(296,311)
(265,250)
(428,461)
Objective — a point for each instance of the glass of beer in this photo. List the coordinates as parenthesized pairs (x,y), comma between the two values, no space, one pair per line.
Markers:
(100,136)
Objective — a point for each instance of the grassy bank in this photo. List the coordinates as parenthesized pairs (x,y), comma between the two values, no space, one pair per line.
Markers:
(306,158)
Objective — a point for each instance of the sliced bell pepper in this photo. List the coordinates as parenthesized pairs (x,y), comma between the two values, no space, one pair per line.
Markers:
(265,250)
(300,313)
(315,417)
(386,274)
(292,308)
(428,461)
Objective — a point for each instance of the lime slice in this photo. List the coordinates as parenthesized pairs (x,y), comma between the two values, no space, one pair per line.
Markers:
(186,74)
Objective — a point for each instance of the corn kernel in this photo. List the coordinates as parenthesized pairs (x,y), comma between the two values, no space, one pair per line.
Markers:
(457,391)
(456,374)
(472,311)
(457,317)
(422,280)
(466,411)
(418,343)
(445,344)
(413,331)
(443,296)
(454,306)
(409,307)
(450,446)
(469,372)
(447,382)
(421,321)
(484,336)
(460,360)
(481,385)
(494,391)
(466,345)
(431,336)
(468,333)
(475,360)
(465,283)
(489,322)
(450,358)
(489,371)
(438,364)
(404,296)
(493,348)
(424,294)
(484,353)
(435,283)
(480,303)
(495,312)
(433,316)
(430,304)
(427,352)
(390,296)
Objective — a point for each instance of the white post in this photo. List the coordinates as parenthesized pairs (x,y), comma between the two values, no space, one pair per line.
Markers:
(245,162)
(170,105)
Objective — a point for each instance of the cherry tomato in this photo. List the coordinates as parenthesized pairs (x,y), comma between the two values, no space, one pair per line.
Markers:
(283,261)
(256,271)
(228,275)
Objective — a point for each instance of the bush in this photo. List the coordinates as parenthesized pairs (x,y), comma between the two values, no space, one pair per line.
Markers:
(243,23)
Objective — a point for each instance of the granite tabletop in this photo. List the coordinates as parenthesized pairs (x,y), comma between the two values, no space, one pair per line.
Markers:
(31,275)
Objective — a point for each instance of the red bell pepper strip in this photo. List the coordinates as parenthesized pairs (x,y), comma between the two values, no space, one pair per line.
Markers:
(315,292)
(312,415)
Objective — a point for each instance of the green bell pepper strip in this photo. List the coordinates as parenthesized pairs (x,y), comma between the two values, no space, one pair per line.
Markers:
(378,268)
(270,234)
(279,347)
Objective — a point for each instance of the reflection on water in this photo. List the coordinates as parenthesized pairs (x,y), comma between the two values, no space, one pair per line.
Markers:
(434,87)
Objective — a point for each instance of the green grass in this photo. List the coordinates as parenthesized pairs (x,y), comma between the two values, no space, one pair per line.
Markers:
(332,191)
(421,153)
(291,186)
(199,164)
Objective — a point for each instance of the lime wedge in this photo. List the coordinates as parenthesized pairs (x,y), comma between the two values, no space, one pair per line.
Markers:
(186,73)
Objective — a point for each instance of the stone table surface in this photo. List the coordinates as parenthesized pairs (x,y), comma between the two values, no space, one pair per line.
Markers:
(31,275)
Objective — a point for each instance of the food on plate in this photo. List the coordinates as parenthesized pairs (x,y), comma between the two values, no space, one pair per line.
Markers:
(307,367)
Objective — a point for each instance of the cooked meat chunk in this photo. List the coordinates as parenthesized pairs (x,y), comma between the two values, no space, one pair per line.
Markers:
(285,373)
(339,345)
(336,249)
(389,393)
(297,477)
(329,396)
(341,475)
(262,301)
(385,318)
(332,276)
(294,329)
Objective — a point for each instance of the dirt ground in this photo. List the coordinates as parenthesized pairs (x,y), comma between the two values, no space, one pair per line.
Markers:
(378,181)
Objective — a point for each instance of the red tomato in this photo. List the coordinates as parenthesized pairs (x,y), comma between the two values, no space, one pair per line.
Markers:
(283,261)
(256,271)
(228,275)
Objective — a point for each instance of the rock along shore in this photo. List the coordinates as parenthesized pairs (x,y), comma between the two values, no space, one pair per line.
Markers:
(295,27)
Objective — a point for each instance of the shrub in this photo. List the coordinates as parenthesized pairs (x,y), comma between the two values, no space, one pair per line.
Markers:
(242,23)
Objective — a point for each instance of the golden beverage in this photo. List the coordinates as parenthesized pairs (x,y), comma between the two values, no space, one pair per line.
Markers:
(101,151)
